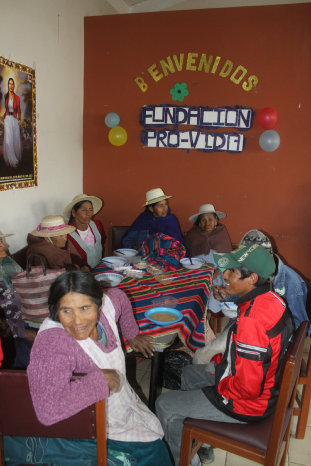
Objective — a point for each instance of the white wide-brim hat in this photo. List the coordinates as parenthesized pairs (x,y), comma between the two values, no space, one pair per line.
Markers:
(155,195)
(2,235)
(96,202)
(207,209)
(52,225)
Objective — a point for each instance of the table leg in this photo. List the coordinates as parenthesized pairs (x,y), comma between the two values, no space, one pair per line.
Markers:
(156,367)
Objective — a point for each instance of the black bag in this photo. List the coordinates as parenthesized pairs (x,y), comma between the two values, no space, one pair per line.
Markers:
(173,364)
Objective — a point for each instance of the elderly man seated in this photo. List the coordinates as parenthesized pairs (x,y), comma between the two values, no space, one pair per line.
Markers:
(243,387)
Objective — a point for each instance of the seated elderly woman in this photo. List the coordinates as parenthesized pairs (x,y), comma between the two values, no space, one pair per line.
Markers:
(88,238)
(49,240)
(156,218)
(17,337)
(81,336)
(207,233)
(206,237)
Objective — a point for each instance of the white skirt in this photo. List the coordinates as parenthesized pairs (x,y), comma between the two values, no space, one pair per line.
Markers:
(12,141)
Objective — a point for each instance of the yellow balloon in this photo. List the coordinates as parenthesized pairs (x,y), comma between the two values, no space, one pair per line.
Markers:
(117,136)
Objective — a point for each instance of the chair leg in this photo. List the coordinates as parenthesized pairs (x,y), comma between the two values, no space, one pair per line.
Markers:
(2,462)
(100,411)
(188,448)
(215,323)
(304,411)
(185,449)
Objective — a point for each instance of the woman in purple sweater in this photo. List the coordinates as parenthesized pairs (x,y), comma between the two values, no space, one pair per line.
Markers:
(81,336)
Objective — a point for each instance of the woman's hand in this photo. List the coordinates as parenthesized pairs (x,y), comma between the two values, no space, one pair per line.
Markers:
(219,293)
(113,380)
(142,345)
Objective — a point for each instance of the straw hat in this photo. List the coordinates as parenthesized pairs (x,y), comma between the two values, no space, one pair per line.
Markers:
(52,225)
(96,202)
(2,235)
(207,209)
(155,195)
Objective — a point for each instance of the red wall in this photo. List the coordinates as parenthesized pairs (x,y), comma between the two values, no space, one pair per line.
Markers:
(257,189)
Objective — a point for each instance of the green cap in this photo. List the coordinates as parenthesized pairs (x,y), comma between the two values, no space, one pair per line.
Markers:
(252,256)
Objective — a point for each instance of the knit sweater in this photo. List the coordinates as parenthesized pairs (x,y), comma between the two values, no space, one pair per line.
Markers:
(56,355)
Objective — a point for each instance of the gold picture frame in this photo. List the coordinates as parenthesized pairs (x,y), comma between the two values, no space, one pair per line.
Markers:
(18,136)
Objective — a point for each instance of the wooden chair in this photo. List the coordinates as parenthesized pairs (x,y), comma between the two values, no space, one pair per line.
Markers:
(20,257)
(18,417)
(264,442)
(303,397)
(116,235)
(215,321)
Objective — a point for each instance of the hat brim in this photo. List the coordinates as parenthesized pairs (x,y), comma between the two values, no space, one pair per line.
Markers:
(6,235)
(157,199)
(219,214)
(96,203)
(51,233)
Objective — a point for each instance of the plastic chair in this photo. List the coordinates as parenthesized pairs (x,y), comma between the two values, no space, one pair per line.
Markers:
(264,442)
(18,417)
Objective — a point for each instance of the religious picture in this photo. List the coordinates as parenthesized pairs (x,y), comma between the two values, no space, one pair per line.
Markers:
(18,148)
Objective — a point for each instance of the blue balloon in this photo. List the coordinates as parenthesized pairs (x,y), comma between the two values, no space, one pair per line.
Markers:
(112,119)
(269,140)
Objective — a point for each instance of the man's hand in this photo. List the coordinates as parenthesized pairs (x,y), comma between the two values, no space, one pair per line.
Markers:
(142,345)
(113,380)
(219,292)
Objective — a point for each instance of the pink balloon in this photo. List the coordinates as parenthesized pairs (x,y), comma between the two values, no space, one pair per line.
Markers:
(267,118)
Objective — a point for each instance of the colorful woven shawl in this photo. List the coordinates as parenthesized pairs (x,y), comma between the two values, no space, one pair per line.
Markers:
(163,250)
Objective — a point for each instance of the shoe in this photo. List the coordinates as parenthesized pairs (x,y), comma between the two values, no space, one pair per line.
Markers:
(206,455)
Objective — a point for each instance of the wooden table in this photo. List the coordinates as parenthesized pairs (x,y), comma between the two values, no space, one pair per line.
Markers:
(190,289)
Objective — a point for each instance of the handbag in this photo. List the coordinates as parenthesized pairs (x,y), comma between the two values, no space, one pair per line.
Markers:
(33,285)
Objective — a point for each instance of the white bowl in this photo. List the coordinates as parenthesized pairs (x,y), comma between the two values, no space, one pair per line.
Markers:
(114,261)
(196,263)
(125,252)
(112,279)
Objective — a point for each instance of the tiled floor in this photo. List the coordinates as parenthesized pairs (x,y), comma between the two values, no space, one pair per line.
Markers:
(299,453)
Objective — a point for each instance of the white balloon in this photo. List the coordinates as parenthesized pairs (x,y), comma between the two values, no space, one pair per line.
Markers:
(269,140)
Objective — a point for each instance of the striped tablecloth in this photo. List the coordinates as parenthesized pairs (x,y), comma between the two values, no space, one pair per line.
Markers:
(191,289)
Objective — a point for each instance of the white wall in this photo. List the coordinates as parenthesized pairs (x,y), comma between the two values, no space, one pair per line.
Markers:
(47,35)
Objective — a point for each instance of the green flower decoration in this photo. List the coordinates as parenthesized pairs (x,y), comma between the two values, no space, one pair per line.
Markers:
(179,91)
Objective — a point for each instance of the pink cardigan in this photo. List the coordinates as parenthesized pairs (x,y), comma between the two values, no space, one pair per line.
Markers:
(56,355)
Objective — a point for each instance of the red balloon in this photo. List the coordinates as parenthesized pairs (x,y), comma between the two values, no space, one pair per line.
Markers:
(267,118)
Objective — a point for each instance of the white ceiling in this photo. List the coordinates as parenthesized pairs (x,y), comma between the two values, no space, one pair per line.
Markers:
(139,6)
(142,6)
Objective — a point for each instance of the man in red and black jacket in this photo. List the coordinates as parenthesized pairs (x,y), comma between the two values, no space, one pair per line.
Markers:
(244,386)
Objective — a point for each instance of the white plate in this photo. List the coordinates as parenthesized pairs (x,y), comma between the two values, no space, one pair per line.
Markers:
(125,252)
(113,261)
(196,263)
(113,279)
